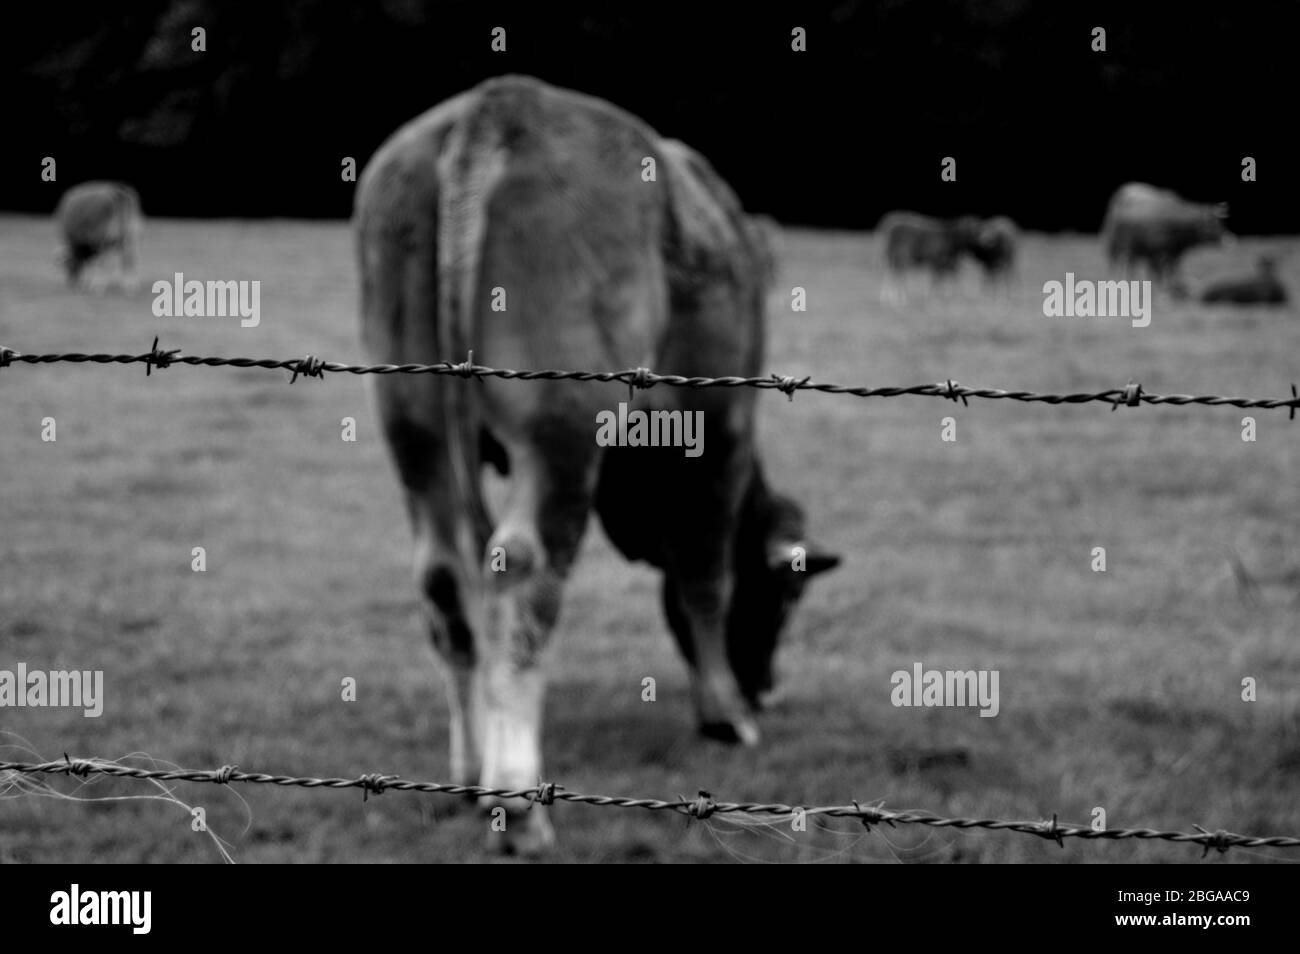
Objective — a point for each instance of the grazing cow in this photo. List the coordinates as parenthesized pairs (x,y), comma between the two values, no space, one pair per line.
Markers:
(994,248)
(1156,226)
(1262,288)
(521,221)
(918,243)
(96,217)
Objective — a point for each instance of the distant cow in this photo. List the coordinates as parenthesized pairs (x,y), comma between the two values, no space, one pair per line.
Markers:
(94,218)
(520,194)
(916,243)
(1156,226)
(1263,288)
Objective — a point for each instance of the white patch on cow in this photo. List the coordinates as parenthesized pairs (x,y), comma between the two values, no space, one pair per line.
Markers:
(512,725)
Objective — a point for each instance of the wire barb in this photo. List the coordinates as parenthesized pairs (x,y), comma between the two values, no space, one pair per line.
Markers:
(158,359)
(702,807)
(81,768)
(1051,832)
(639,378)
(544,794)
(1131,397)
(951,391)
(308,367)
(1219,840)
(466,368)
(787,384)
(373,783)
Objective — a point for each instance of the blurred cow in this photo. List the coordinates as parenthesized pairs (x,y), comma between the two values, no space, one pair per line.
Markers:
(97,217)
(920,244)
(537,190)
(1156,226)
(1262,288)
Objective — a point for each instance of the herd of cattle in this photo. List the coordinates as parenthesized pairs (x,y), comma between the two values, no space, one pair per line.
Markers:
(519,185)
(1144,227)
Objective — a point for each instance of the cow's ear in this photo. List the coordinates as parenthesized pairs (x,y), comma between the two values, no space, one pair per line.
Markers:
(820,560)
(782,556)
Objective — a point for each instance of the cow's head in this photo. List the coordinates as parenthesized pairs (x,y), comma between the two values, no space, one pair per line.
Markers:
(994,246)
(774,561)
(74,258)
(1213,229)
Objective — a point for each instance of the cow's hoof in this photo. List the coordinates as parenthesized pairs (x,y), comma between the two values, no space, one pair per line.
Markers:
(732,732)
(527,834)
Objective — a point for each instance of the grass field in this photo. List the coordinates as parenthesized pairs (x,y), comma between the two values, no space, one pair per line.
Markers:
(1119,690)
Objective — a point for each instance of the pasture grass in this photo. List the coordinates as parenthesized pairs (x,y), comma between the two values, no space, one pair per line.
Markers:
(1119,690)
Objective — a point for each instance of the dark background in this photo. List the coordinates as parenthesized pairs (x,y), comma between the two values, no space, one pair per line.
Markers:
(1043,129)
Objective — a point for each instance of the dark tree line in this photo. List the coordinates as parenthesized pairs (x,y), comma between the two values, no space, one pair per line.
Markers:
(1042,127)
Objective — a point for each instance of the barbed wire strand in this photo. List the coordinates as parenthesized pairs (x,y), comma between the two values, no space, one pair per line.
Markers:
(1131,395)
(701,807)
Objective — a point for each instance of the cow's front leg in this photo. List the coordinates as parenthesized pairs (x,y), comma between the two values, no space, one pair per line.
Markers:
(696,614)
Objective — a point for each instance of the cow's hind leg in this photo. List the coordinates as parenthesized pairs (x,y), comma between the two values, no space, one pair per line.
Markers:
(552,483)
(891,292)
(128,255)
(445,566)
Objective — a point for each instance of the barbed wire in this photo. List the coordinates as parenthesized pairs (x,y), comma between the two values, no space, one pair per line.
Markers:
(704,806)
(701,807)
(1131,395)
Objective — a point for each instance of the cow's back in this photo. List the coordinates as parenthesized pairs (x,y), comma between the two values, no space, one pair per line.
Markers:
(557,230)
(96,215)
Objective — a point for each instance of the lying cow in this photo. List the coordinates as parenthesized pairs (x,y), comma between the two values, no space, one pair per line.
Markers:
(519,194)
(1262,288)
(1156,226)
(95,218)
